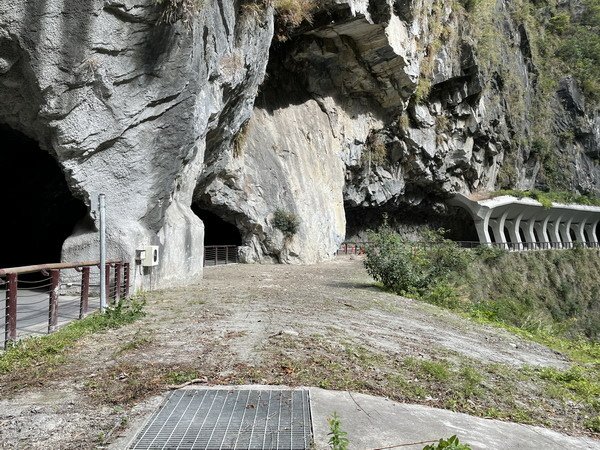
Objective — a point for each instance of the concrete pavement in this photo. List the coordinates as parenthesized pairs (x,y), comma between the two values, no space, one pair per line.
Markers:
(379,423)
(374,422)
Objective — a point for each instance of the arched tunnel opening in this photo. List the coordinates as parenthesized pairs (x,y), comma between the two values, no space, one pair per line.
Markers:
(39,211)
(410,222)
(217,231)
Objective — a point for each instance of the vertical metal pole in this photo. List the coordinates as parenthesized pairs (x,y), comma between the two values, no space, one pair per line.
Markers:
(10,324)
(216,256)
(126,276)
(53,301)
(85,292)
(118,281)
(102,218)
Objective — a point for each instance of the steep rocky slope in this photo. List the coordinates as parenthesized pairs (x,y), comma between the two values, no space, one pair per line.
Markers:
(380,105)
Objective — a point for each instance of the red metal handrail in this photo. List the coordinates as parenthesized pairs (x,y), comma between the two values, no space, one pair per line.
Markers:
(46,267)
(121,275)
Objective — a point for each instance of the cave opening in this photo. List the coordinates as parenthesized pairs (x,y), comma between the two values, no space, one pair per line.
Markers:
(217,231)
(410,222)
(39,210)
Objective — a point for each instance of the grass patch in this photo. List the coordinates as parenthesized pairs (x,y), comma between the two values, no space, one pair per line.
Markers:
(49,351)
(547,296)
(449,381)
(180,377)
(139,340)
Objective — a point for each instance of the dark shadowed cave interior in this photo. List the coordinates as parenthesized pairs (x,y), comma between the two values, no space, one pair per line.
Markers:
(216,230)
(38,210)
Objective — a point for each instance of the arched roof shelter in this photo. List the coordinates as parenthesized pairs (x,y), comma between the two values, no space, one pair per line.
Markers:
(558,226)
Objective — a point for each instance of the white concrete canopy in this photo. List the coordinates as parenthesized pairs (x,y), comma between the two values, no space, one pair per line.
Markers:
(524,223)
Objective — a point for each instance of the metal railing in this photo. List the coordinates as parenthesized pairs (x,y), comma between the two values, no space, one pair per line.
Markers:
(215,255)
(359,248)
(352,248)
(39,299)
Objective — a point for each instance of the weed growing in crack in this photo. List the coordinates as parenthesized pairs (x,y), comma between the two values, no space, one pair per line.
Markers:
(451,443)
(338,439)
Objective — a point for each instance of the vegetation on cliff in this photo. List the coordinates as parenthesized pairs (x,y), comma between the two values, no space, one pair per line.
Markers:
(547,296)
(550,291)
(557,40)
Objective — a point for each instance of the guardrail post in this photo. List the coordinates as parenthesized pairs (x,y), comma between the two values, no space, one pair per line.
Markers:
(227,255)
(85,292)
(118,282)
(216,256)
(53,300)
(10,324)
(126,276)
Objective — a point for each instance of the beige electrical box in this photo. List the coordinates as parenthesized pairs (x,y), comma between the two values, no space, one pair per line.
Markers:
(151,257)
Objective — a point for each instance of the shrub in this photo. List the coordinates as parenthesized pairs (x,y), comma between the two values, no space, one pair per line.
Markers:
(286,222)
(338,439)
(409,267)
(376,154)
(451,443)
(179,10)
(489,253)
(540,292)
(294,12)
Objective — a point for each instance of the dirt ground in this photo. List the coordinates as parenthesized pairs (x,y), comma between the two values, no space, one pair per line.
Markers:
(324,325)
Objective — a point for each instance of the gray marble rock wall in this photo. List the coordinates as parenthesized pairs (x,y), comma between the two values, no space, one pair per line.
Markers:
(362,63)
(162,116)
(125,105)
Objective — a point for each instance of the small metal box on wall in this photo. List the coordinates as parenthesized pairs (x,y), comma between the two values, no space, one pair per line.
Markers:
(150,258)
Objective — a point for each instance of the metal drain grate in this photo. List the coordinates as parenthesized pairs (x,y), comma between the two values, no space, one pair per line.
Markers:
(218,419)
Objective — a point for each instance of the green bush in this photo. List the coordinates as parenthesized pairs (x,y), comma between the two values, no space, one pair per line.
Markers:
(338,439)
(414,267)
(451,443)
(286,222)
(552,292)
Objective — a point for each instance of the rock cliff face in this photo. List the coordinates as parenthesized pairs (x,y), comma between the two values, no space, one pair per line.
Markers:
(381,105)
(349,85)
(126,105)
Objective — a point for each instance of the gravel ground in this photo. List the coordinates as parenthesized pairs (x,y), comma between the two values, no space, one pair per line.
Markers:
(250,323)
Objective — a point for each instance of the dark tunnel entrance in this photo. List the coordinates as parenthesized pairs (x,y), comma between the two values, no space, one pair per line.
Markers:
(216,230)
(410,222)
(38,212)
